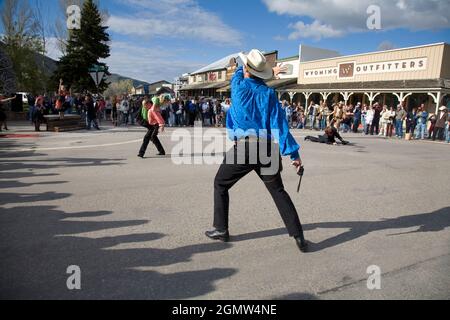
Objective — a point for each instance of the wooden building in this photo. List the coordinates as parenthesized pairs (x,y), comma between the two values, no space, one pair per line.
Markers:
(410,76)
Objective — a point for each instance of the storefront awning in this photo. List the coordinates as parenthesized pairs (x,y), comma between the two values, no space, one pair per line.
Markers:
(383,86)
(204,86)
(278,83)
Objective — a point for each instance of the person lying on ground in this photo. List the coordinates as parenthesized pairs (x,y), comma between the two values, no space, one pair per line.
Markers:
(329,137)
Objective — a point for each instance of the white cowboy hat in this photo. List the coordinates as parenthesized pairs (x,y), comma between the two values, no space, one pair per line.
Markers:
(256,64)
(443,108)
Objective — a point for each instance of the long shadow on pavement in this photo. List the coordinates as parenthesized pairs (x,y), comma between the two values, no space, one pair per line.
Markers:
(426,222)
(39,242)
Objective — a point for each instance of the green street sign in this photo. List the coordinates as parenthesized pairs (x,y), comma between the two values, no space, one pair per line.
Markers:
(97,68)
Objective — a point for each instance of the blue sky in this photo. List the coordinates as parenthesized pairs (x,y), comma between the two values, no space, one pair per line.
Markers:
(160,39)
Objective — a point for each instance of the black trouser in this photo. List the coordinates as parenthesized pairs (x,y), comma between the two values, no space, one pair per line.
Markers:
(375,127)
(230,174)
(152,135)
(92,120)
(191,118)
(125,118)
(356,124)
(410,127)
(438,133)
(38,119)
(319,139)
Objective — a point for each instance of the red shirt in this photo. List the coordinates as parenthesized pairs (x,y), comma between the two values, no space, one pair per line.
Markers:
(155,117)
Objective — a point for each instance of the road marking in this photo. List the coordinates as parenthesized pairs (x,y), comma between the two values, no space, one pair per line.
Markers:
(139,140)
(78,147)
(16,135)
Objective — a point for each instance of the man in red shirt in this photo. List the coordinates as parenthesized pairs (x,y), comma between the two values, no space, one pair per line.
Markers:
(156,123)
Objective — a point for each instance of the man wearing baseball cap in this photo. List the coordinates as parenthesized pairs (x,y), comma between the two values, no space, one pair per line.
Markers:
(256,114)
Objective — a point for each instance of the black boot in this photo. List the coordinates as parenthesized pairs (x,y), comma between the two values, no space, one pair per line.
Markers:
(302,244)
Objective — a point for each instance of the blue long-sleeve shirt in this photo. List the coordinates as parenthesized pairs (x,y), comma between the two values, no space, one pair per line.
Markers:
(255,107)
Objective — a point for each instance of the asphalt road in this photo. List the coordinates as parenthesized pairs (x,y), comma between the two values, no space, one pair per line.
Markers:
(135,227)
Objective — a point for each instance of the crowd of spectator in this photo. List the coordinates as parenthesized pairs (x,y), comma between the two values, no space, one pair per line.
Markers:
(122,110)
(374,119)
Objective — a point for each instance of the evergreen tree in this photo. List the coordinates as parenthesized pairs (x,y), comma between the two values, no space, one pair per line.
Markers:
(86,46)
(20,41)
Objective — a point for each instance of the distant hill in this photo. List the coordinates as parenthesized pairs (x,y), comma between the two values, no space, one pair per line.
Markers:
(117,77)
(49,63)
(50,66)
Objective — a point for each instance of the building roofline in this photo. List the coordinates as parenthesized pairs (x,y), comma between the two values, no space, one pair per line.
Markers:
(289,58)
(380,51)
(201,71)
(159,82)
(206,71)
(270,52)
(205,68)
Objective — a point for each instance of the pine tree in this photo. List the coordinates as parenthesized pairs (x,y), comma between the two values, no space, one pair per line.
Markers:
(86,46)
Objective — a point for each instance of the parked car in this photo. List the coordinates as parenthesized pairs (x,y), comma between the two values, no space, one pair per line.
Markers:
(24,97)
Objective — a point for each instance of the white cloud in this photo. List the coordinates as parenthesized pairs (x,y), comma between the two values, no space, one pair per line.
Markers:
(345,16)
(386,45)
(147,64)
(315,30)
(159,21)
(279,38)
(181,19)
(138,62)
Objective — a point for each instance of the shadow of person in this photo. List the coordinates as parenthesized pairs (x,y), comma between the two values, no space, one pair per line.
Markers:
(425,222)
(9,184)
(298,296)
(38,244)
(357,147)
(35,164)
(9,198)
(29,168)
(191,155)
(19,175)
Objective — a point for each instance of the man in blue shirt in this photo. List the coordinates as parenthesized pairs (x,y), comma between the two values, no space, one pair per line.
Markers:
(256,115)
(422,118)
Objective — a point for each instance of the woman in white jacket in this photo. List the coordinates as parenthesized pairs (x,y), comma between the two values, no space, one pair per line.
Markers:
(370,114)
(383,120)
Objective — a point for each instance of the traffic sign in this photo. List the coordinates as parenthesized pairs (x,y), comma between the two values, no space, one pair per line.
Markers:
(97,77)
(97,68)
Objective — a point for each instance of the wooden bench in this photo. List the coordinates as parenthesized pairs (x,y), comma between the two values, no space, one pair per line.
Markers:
(70,122)
(16,116)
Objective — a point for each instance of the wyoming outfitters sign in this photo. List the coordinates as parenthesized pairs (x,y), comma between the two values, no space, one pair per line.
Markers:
(349,70)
